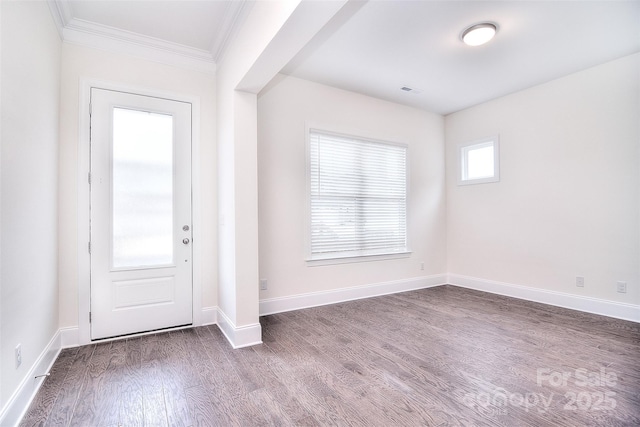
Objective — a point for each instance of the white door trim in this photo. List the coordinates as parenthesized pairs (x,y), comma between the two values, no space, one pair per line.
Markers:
(84,267)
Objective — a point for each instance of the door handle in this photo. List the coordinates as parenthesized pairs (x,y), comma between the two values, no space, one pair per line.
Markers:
(185,241)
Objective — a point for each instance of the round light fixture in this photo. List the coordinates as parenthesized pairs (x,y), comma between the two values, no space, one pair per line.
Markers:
(478,34)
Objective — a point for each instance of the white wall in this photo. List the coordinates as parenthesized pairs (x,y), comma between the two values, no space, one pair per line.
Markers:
(283,108)
(567,203)
(30,100)
(81,62)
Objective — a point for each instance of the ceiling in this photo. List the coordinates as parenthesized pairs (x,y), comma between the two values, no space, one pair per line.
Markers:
(386,45)
(379,46)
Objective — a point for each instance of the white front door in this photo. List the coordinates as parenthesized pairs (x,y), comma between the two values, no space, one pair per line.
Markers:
(140,179)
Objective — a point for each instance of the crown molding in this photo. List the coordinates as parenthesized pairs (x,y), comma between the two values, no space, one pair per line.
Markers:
(60,13)
(112,39)
(234,17)
(97,36)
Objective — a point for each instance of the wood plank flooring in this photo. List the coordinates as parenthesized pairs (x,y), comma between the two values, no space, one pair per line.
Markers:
(444,356)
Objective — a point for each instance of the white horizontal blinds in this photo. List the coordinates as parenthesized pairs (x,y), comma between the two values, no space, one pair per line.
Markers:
(358,197)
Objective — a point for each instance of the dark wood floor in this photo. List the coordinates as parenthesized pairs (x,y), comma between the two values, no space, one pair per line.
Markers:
(439,357)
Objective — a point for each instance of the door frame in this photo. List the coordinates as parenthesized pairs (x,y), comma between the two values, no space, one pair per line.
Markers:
(84,197)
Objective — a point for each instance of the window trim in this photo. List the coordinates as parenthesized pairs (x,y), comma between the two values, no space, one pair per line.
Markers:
(331,259)
(461,155)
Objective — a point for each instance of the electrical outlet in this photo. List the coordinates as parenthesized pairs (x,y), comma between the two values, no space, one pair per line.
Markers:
(580,281)
(18,355)
(622,287)
(263,284)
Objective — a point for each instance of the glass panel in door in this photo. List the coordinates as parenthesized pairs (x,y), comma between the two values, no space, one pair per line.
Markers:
(142,189)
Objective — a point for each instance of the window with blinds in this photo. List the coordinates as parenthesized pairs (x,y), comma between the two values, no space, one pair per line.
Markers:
(358,197)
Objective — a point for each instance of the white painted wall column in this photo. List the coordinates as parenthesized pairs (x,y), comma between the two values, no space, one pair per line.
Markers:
(238,290)
(272,34)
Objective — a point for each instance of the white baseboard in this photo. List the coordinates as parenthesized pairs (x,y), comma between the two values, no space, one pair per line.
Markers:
(239,336)
(209,316)
(614,309)
(20,400)
(314,299)
(69,337)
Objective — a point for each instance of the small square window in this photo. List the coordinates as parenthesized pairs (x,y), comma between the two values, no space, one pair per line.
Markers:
(479,161)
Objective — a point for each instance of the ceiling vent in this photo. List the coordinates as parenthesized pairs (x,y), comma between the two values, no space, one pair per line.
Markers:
(412,90)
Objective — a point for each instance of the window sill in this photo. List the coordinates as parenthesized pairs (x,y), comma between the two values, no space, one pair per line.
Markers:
(479,180)
(332,260)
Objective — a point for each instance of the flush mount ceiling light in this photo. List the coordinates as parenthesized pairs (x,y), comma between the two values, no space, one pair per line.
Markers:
(478,34)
